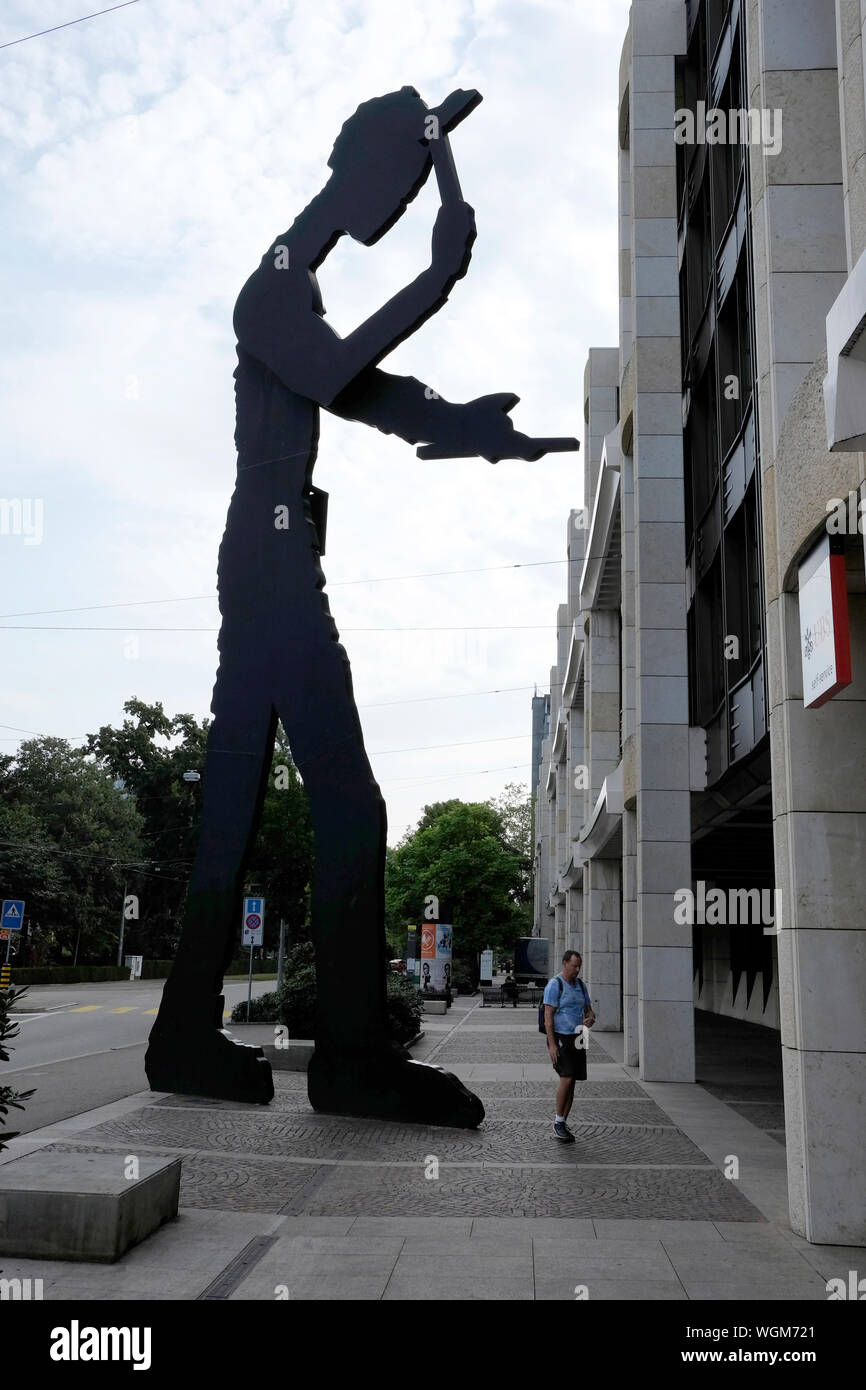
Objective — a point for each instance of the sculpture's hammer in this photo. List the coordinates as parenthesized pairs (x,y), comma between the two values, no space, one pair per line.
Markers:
(449,113)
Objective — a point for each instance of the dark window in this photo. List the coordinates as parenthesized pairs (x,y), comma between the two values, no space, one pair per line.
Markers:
(722,476)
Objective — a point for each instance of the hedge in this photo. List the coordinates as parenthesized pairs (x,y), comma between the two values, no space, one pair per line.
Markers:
(93,974)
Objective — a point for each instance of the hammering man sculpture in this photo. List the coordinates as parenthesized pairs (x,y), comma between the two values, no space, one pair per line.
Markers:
(279,651)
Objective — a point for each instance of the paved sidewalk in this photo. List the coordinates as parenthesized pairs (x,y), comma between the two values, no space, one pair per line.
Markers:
(281,1202)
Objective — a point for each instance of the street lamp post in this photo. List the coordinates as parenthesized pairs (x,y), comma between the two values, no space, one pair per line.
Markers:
(122,925)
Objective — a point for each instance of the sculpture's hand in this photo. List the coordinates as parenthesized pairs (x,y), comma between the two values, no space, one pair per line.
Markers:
(453,234)
(484,430)
(490,433)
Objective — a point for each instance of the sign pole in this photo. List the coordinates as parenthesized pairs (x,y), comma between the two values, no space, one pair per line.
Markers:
(122,922)
(253,935)
(282,952)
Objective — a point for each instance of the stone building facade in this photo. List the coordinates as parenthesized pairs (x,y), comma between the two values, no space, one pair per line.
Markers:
(700,829)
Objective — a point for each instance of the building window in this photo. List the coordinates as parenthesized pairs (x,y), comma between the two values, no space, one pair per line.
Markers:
(724,544)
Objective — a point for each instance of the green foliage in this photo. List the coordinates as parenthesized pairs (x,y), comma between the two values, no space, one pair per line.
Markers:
(294,1003)
(9,1098)
(474,856)
(69,974)
(150,753)
(404,1008)
(150,970)
(281,863)
(65,829)
(264,1009)
(462,978)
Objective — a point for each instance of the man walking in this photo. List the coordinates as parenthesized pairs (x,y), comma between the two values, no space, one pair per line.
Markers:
(568,1013)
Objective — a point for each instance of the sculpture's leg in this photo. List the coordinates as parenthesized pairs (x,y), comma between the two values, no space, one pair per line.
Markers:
(355,1069)
(188,1050)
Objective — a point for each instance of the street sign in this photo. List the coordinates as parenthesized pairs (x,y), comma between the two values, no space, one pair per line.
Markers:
(134,964)
(4,935)
(5,976)
(13,914)
(254,921)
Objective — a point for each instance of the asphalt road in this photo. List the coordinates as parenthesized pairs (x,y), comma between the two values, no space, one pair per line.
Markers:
(84,1045)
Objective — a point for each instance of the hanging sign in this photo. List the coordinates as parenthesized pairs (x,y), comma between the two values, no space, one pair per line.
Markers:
(825,643)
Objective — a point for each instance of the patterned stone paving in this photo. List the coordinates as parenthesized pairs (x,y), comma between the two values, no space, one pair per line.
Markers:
(231,1183)
(623,1112)
(527,1108)
(612,1089)
(513,1047)
(615,1192)
(629,1159)
(320,1136)
(226,1182)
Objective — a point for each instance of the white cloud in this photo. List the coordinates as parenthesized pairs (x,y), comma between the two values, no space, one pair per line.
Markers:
(150,156)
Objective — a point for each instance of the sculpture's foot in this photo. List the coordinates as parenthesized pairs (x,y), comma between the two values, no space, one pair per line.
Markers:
(389,1085)
(208,1062)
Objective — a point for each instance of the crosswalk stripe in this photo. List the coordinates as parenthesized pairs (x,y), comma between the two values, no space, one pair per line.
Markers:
(127,1009)
(86,1008)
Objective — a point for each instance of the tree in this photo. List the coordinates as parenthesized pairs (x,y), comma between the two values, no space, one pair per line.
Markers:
(149,754)
(281,863)
(79,830)
(515,809)
(473,857)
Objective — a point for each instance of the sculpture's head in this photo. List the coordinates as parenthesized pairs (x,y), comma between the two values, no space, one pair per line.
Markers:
(380,160)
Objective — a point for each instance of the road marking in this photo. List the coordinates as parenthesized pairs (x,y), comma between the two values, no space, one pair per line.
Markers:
(150,1011)
(127,1009)
(86,1008)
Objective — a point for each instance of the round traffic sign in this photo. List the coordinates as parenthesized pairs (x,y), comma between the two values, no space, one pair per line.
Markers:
(254,921)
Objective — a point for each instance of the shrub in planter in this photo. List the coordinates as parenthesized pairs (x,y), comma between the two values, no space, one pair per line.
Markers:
(404,1008)
(294,1004)
(263,1010)
(462,978)
(9,1098)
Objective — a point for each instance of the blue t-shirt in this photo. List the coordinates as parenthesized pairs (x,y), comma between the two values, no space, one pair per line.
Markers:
(575,998)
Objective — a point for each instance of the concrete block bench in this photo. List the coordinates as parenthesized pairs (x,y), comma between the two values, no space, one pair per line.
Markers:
(294,1055)
(492,995)
(80,1206)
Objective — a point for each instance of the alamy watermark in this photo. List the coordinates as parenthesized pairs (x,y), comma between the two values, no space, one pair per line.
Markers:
(22,516)
(741,126)
(733,907)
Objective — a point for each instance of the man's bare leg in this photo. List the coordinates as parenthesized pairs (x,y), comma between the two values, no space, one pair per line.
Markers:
(564,1096)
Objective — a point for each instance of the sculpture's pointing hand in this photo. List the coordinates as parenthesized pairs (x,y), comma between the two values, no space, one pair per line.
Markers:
(453,234)
(485,431)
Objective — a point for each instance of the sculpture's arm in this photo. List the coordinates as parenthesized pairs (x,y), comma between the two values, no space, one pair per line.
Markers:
(275,322)
(406,407)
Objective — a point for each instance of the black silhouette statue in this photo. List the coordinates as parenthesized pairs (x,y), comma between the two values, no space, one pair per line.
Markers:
(280,656)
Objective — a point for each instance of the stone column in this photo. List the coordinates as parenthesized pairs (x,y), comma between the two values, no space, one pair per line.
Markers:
(807,205)
(665,992)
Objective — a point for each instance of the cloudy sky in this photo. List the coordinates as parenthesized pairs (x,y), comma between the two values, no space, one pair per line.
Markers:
(148,157)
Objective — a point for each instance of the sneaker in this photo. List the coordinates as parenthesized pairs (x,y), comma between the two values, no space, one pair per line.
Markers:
(562,1131)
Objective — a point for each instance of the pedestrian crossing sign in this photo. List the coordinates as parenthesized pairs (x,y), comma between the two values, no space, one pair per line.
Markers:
(13,914)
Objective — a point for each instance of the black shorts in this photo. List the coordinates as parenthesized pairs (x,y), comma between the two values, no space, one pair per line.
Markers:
(572,1059)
